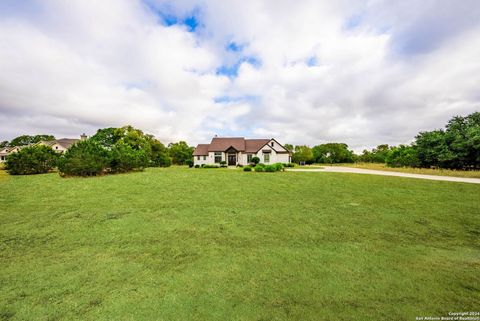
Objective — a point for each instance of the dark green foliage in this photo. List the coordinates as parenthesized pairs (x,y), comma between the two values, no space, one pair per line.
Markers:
(107,137)
(377,155)
(269,168)
(255,160)
(31,160)
(223,163)
(289,165)
(302,154)
(85,158)
(209,166)
(4,144)
(27,139)
(332,153)
(125,158)
(159,154)
(247,169)
(197,166)
(402,156)
(456,147)
(289,147)
(180,152)
(143,144)
(189,162)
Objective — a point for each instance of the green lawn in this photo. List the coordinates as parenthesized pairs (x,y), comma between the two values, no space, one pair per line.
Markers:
(222,244)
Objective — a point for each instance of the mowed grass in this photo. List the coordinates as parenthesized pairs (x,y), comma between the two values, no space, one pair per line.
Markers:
(221,244)
(422,171)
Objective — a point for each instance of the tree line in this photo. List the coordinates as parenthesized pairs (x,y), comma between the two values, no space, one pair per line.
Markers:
(455,147)
(110,150)
(116,150)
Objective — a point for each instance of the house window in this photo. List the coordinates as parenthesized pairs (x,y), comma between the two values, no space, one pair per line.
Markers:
(204,157)
(271,144)
(249,158)
(218,157)
(198,157)
(266,158)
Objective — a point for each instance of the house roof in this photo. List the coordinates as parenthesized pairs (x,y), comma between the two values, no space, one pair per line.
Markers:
(222,144)
(254,145)
(201,150)
(64,142)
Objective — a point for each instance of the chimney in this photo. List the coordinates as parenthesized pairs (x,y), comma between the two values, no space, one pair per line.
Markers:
(83,136)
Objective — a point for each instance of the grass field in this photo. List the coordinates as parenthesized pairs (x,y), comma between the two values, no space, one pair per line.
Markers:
(423,171)
(190,244)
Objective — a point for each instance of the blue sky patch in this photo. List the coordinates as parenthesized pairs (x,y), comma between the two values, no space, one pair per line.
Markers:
(312,61)
(167,18)
(236,99)
(233,46)
(231,71)
(353,22)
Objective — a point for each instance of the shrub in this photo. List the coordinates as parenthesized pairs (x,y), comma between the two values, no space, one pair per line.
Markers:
(210,166)
(223,163)
(197,166)
(125,158)
(31,160)
(259,168)
(85,158)
(189,162)
(255,160)
(289,165)
(247,169)
(270,168)
(279,167)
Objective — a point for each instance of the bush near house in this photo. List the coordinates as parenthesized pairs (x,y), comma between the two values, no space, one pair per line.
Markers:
(85,158)
(209,166)
(189,162)
(247,169)
(269,168)
(31,160)
(255,160)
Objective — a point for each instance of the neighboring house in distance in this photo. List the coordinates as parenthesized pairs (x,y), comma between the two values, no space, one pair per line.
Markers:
(62,144)
(4,152)
(58,145)
(240,151)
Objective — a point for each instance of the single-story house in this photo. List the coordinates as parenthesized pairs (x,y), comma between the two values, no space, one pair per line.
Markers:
(240,151)
(58,145)
(4,152)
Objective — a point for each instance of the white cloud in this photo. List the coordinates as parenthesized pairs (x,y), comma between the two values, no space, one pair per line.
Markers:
(359,72)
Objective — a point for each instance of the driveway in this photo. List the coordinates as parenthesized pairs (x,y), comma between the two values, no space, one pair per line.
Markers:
(339,169)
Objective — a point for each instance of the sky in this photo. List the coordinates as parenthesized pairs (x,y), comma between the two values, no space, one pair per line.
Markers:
(304,72)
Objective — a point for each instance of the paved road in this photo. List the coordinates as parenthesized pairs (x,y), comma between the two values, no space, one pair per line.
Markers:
(339,169)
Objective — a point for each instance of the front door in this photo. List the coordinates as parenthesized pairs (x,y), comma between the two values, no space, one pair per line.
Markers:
(232,159)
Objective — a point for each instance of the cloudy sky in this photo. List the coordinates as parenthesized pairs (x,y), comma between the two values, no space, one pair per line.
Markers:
(359,72)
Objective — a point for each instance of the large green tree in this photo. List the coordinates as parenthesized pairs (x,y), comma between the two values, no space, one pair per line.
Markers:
(457,146)
(302,154)
(139,148)
(376,155)
(28,139)
(180,152)
(402,156)
(333,153)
